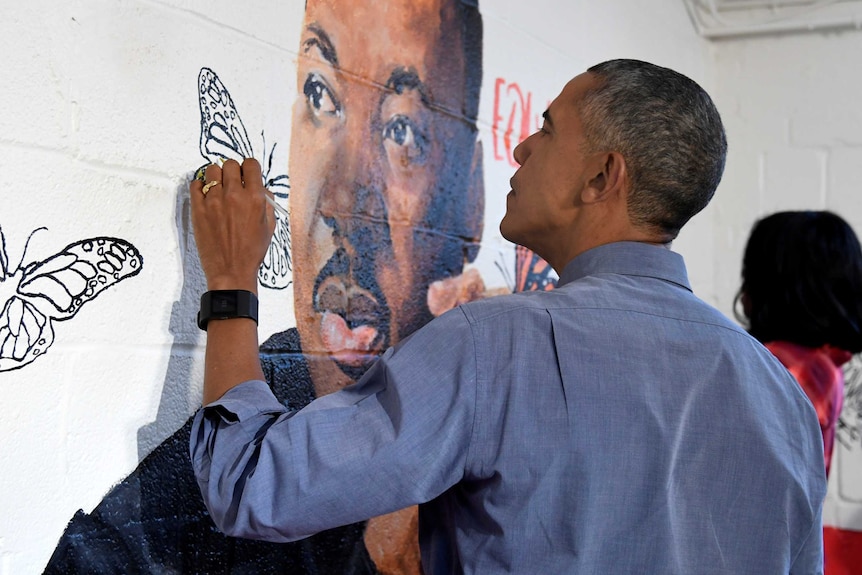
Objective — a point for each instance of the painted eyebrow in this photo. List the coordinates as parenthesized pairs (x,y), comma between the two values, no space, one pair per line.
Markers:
(323,43)
(407,79)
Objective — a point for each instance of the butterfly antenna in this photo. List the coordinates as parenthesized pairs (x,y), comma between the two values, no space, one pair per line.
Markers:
(27,244)
(4,259)
(504,271)
(277,180)
(30,237)
(266,161)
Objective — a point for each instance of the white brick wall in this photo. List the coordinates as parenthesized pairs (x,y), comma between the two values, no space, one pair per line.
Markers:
(791,105)
(99,129)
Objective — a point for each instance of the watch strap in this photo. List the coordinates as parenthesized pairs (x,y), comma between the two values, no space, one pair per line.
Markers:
(227,304)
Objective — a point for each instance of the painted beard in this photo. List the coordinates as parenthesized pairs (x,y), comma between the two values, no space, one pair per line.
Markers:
(355,324)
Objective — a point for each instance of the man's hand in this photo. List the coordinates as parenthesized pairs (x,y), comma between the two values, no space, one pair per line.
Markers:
(233,224)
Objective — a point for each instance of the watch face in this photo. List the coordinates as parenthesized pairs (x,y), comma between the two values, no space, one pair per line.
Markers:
(223,303)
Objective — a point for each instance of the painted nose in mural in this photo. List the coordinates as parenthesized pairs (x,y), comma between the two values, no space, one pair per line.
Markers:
(355,324)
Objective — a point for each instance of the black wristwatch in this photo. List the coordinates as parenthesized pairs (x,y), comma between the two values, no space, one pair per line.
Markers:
(226,304)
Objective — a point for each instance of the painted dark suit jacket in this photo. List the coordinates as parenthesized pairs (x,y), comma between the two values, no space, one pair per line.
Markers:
(155,521)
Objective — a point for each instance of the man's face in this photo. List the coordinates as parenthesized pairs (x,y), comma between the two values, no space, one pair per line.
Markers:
(382,173)
(553,171)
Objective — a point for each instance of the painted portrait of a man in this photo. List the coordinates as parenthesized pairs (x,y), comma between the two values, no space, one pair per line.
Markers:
(386,172)
(386,209)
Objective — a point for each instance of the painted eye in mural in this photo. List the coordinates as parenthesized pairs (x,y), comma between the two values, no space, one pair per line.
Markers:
(401,131)
(223,137)
(320,98)
(32,296)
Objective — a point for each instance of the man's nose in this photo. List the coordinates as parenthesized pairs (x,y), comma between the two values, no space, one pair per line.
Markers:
(348,184)
(522,151)
(358,218)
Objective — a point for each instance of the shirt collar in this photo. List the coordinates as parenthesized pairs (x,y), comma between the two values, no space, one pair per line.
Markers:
(628,258)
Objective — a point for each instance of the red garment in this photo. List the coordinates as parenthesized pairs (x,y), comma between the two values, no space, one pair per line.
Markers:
(843,551)
(818,371)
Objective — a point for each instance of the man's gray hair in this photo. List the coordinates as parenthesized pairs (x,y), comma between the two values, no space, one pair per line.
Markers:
(669,132)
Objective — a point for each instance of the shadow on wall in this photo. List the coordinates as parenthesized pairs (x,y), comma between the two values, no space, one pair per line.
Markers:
(174,400)
(154,521)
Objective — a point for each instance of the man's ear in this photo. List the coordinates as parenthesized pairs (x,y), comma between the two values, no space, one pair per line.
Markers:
(474,206)
(610,177)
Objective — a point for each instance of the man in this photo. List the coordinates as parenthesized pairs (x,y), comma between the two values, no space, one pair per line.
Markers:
(617,424)
(386,200)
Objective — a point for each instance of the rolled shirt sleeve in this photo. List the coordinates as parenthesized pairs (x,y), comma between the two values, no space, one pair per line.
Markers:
(398,437)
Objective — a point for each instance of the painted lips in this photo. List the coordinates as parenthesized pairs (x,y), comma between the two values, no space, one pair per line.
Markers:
(348,346)
(349,325)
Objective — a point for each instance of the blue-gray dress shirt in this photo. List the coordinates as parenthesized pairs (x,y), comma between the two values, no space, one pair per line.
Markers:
(616,424)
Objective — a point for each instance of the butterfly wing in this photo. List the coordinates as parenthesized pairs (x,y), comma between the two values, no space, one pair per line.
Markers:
(60,285)
(25,334)
(532,273)
(223,135)
(274,272)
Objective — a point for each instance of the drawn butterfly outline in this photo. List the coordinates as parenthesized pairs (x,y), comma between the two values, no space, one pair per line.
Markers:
(532,273)
(223,137)
(39,293)
(850,420)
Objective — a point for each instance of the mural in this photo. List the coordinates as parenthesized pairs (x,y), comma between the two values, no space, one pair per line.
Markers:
(842,539)
(386,206)
(532,273)
(35,295)
(849,431)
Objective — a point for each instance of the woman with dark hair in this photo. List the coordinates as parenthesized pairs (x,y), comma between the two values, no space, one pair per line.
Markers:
(801,297)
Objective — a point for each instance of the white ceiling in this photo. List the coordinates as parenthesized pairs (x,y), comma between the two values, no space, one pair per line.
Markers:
(734,18)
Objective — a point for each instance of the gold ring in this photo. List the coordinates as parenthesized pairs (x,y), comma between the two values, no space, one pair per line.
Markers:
(205,190)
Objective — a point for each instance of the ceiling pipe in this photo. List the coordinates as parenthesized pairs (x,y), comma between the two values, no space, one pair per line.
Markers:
(725,30)
(836,24)
(737,5)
